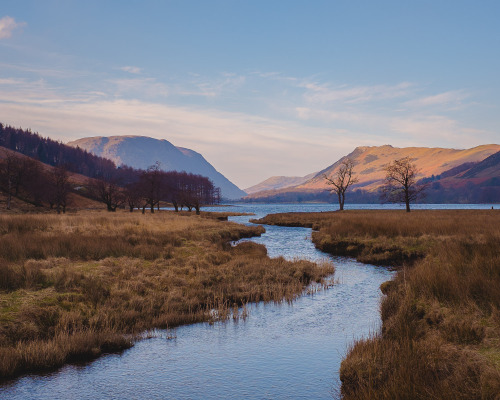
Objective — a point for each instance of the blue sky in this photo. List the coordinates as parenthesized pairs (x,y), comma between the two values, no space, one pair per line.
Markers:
(260,88)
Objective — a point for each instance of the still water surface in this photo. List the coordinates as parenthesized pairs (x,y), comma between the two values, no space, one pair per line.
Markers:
(280,351)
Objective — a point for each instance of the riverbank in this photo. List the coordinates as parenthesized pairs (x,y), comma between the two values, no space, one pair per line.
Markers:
(441,321)
(75,286)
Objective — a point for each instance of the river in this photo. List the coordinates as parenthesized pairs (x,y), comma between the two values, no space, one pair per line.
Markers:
(281,351)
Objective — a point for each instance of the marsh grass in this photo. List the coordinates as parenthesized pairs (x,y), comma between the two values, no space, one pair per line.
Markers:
(440,336)
(388,237)
(75,286)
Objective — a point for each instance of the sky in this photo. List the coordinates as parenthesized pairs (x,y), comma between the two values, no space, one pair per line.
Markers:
(260,88)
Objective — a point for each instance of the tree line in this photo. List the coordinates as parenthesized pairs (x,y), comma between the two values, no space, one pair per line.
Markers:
(27,177)
(32,181)
(143,189)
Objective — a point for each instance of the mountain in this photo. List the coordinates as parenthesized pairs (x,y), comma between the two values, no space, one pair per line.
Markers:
(369,164)
(278,182)
(142,152)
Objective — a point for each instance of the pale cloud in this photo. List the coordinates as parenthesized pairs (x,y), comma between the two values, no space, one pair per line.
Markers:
(131,69)
(309,135)
(227,83)
(413,129)
(320,94)
(148,87)
(40,71)
(453,97)
(232,142)
(8,25)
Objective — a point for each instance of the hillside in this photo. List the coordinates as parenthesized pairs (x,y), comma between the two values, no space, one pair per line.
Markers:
(142,152)
(278,182)
(21,205)
(369,168)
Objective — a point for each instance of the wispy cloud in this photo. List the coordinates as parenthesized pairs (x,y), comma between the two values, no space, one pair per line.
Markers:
(8,25)
(142,87)
(131,69)
(453,97)
(285,126)
(318,93)
(227,139)
(227,82)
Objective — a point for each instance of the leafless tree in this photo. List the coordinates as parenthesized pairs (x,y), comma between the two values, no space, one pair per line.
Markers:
(108,192)
(133,196)
(152,182)
(8,169)
(35,182)
(60,189)
(341,181)
(401,185)
(15,171)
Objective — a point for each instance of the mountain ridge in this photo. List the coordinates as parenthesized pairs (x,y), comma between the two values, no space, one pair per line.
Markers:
(142,151)
(370,162)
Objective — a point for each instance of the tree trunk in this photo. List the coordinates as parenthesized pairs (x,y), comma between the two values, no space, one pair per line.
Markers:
(176,206)
(9,195)
(407,200)
(341,203)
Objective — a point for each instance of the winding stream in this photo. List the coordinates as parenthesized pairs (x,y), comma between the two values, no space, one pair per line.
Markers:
(279,352)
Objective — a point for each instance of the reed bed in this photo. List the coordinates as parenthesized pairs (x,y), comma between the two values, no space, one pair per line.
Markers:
(75,286)
(388,237)
(440,336)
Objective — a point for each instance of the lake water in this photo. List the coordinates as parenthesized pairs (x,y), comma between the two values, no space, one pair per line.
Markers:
(281,351)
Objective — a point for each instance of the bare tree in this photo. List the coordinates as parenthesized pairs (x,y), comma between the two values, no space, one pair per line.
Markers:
(15,171)
(108,192)
(60,188)
(9,169)
(341,181)
(133,196)
(151,181)
(401,184)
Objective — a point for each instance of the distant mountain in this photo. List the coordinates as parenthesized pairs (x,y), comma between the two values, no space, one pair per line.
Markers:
(278,182)
(142,152)
(369,164)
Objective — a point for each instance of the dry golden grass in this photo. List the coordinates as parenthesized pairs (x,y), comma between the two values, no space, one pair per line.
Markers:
(441,321)
(388,237)
(71,286)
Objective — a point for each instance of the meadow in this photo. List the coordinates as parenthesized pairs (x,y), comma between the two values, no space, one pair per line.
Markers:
(75,286)
(440,337)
